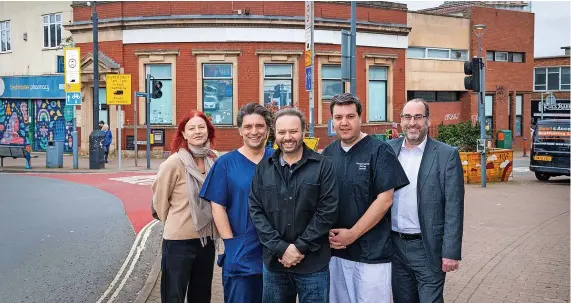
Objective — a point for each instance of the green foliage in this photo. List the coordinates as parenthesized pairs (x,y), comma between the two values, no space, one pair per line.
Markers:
(463,135)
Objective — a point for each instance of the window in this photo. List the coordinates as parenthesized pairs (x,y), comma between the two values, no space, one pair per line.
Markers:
(437,53)
(59,64)
(518,114)
(278,84)
(551,78)
(488,110)
(161,109)
(217,92)
(52,30)
(331,83)
(5,36)
(377,96)
(434,96)
(501,56)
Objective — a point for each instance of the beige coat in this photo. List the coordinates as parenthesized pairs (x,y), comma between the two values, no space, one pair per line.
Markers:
(170,200)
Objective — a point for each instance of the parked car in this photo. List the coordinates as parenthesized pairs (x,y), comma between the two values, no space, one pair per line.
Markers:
(210,103)
(550,149)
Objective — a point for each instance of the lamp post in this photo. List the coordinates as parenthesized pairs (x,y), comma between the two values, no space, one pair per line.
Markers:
(479,32)
(96,136)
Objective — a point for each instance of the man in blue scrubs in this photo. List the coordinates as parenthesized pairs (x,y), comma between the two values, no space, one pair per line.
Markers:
(227,186)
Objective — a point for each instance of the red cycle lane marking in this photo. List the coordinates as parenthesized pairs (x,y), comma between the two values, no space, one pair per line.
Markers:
(136,198)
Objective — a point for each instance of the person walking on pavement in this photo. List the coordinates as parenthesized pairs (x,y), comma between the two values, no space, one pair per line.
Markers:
(227,186)
(188,248)
(428,214)
(107,140)
(293,204)
(361,239)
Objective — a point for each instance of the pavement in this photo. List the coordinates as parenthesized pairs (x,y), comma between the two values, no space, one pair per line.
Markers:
(515,248)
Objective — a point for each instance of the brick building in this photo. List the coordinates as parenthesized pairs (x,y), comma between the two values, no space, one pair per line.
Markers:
(551,75)
(218,56)
(508,47)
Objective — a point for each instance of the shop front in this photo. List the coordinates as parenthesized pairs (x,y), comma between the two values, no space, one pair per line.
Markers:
(33,111)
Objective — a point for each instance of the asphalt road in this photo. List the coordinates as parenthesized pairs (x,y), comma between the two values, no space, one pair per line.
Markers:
(59,241)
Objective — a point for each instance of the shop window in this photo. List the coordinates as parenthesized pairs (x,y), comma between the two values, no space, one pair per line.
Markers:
(377,94)
(278,85)
(161,109)
(217,92)
(331,83)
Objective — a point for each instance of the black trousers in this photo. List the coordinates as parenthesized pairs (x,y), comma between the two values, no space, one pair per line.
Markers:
(187,270)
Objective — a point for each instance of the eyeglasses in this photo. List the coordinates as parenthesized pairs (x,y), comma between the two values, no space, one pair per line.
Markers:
(410,117)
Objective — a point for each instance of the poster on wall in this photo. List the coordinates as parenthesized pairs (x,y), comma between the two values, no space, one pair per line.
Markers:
(14,122)
(53,121)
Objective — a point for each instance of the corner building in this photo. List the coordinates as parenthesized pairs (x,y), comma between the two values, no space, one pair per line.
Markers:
(218,56)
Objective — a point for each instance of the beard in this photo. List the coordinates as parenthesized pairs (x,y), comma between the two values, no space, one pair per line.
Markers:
(289,146)
(416,134)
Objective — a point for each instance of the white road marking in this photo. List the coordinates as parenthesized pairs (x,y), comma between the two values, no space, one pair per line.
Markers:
(137,180)
(127,260)
(139,250)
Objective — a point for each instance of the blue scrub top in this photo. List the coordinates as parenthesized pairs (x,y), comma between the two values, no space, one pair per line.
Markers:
(228,184)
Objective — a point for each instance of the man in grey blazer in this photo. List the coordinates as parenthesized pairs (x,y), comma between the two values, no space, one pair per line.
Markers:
(427,215)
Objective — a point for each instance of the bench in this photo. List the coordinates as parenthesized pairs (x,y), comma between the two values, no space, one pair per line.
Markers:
(14,152)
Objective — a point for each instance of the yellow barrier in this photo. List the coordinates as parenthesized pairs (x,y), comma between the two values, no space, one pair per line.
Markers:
(499,165)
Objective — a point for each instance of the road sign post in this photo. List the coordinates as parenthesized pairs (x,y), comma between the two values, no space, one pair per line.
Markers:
(72,87)
(119,93)
(309,56)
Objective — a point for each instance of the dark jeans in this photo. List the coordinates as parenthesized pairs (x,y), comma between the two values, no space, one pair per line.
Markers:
(413,280)
(106,153)
(187,270)
(282,287)
(242,289)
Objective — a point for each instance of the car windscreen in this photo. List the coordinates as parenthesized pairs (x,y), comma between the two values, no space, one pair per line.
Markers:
(552,137)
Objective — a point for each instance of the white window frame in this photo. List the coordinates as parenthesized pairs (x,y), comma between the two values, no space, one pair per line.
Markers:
(496,56)
(56,23)
(451,57)
(290,78)
(546,68)
(437,49)
(6,30)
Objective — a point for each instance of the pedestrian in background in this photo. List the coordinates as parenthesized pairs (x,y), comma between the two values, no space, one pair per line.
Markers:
(107,140)
(227,186)
(428,214)
(293,204)
(361,239)
(188,248)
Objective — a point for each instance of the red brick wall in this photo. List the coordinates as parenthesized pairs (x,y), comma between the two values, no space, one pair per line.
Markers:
(510,31)
(267,8)
(547,62)
(440,110)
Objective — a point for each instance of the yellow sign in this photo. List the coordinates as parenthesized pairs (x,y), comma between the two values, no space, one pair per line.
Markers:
(72,70)
(312,143)
(307,58)
(118,89)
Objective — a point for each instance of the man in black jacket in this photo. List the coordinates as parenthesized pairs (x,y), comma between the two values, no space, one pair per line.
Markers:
(293,205)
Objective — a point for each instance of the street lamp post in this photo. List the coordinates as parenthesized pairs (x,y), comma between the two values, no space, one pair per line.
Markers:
(96,136)
(479,32)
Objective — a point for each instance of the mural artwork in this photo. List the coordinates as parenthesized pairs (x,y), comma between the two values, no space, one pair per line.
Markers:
(54,121)
(15,125)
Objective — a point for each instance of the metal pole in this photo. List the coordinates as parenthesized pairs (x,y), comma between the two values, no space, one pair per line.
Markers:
(353,85)
(136,104)
(95,69)
(148,121)
(74,142)
(482,112)
(541,106)
(119,126)
(311,92)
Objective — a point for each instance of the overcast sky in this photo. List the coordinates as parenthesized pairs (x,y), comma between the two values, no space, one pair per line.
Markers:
(552,24)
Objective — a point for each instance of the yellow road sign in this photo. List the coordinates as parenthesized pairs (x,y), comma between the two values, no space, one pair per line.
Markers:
(72,70)
(307,58)
(118,89)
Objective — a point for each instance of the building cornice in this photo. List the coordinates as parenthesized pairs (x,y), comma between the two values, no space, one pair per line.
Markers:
(197,52)
(157,52)
(128,23)
(279,52)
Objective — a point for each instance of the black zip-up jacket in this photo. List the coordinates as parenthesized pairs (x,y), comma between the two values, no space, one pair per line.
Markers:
(298,207)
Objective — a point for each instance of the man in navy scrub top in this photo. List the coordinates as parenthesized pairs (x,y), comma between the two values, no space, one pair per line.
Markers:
(227,186)
(370,172)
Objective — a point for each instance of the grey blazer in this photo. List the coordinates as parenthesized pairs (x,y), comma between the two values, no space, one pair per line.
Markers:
(440,194)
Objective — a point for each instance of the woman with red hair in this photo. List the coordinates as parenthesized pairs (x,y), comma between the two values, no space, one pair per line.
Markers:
(189,231)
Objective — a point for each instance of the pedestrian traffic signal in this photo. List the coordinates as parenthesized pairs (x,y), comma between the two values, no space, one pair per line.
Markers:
(472,68)
(156,89)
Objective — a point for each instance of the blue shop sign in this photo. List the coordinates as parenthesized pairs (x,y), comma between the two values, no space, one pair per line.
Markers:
(32,87)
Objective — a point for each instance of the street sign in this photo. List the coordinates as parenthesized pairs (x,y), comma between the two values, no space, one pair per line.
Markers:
(72,70)
(308,78)
(330,129)
(308,15)
(550,99)
(118,89)
(73,98)
(307,58)
(141,94)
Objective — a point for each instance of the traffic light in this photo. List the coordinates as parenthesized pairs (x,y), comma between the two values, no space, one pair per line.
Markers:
(472,68)
(156,89)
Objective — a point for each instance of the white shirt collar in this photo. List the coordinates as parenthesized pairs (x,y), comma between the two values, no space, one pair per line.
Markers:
(421,146)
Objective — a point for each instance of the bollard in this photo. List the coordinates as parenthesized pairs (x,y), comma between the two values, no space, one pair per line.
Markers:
(525,147)
(74,148)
